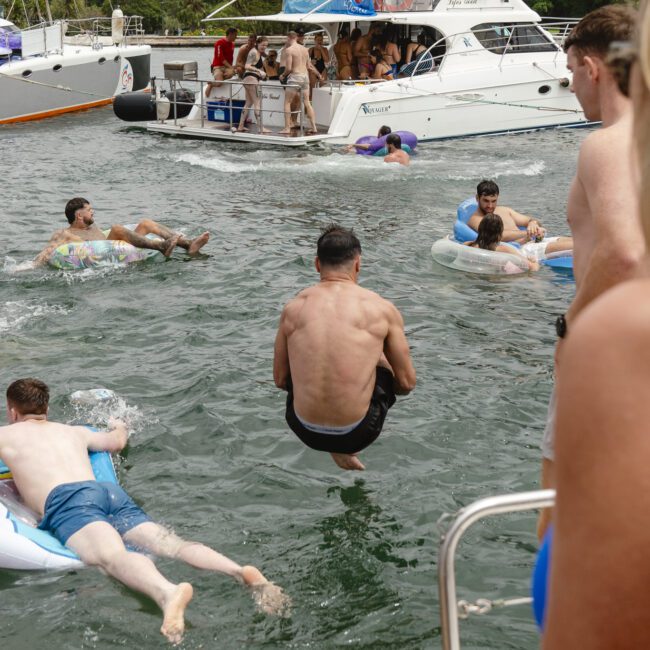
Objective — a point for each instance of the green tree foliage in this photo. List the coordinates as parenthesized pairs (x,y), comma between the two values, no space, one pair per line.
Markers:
(571,8)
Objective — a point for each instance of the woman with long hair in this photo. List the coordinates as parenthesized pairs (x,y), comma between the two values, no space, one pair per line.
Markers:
(253,74)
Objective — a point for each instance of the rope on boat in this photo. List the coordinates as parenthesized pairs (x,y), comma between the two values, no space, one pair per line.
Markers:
(55,86)
(485,605)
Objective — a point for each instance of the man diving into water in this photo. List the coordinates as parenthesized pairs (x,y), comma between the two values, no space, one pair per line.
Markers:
(341,354)
(50,467)
(81,217)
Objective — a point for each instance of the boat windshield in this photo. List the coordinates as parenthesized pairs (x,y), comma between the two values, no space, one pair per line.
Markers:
(503,38)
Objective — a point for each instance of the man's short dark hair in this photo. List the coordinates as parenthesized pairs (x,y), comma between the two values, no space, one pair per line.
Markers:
(337,246)
(29,396)
(395,140)
(72,206)
(231,30)
(300,32)
(600,28)
(384,130)
(487,188)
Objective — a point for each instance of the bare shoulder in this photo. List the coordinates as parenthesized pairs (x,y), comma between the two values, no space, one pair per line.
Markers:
(378,302)
(606,144)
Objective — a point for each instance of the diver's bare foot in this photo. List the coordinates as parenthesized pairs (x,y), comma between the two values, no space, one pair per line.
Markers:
(268,597)
(174,613)
(348,461)
(285,132)
(198,243)
(169,245)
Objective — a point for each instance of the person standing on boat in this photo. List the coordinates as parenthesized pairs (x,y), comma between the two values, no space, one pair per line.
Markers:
(51,469)
(320,58)
(341,354)
(602,209)
(253,74)
(242,55)
(487,196)
(222,67)
(81,217)
(362,50)
(344,56)
(395,152)
(296,73)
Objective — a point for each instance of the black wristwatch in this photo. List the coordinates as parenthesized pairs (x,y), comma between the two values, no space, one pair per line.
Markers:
(560,326)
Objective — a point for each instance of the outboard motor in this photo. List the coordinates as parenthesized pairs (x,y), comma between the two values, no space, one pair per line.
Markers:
(141,107)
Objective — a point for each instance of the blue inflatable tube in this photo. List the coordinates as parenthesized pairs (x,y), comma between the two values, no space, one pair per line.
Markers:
(463,233)
(541,575)
(375,144)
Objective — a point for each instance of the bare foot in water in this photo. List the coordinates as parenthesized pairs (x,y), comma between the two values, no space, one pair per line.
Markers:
(198,243)
(268,597)
(348,461)
(174,613)
(169,245)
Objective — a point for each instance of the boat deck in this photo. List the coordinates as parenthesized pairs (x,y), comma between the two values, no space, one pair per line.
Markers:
(195,128)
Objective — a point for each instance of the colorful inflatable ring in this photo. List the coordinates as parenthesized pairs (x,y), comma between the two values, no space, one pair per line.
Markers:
(90,254)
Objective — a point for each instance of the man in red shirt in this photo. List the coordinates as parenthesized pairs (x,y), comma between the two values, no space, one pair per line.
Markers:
(224,50)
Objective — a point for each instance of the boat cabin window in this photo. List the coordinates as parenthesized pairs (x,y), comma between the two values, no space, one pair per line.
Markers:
(502,38)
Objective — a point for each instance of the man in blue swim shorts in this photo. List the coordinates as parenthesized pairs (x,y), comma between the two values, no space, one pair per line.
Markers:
(50,467)
(341,354)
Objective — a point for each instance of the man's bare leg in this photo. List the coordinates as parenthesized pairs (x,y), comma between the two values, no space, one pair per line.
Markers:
(160,541)
(309,109)
(289,95)
(165,245)
(99,544)
(562,244)
(348,461)
(192,246)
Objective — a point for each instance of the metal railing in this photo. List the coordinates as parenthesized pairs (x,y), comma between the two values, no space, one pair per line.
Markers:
(449,606)
(203,103)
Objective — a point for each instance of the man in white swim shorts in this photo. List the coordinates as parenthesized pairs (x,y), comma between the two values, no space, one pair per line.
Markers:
(50,467)
(539,250)
(297,63)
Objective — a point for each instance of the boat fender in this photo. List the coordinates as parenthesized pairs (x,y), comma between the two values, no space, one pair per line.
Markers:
(455,255)
(376,143)
(141,107)
(541,574)
(117,26)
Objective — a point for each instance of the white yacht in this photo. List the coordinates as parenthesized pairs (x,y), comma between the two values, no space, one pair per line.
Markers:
(491,67)
(64,66)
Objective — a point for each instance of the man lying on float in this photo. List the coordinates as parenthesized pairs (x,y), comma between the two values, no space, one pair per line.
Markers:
(81,217)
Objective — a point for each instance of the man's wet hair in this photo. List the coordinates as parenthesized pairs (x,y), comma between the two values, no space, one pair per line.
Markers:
(231,30)
(384,130)
(72,206)
(490,231)
(487,188)
(593,35)
(395,140)
(337,245)
(29,396)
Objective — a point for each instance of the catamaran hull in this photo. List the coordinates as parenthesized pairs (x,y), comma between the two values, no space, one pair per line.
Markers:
(60,83)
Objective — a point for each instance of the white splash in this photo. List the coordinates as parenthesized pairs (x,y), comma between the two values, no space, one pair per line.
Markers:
(17,313)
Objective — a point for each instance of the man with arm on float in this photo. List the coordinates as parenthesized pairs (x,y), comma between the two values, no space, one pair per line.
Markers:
(602,209)
(81,217)
(341,354)
(395,152)
(50,467)
(487,196)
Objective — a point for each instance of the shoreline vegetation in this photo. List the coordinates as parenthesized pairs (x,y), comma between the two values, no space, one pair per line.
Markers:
(166,18)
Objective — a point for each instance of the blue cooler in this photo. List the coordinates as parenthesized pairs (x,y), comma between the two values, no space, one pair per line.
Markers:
(220,111)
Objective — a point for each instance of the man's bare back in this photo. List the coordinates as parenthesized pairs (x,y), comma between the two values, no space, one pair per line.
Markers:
(335,367)
(297,59)
(43,455)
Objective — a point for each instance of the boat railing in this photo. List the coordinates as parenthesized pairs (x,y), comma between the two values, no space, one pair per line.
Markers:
(224,102)
(451,609)
(510,40)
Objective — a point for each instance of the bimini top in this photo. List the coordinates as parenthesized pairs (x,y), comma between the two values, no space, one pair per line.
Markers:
(337,11)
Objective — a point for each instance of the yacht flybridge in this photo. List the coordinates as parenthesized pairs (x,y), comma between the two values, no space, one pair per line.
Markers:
(494,68)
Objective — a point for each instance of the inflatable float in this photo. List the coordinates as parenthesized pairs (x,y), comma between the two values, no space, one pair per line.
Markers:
(463,233)
(377,146)
(25,547)
(455,255)
(73,256)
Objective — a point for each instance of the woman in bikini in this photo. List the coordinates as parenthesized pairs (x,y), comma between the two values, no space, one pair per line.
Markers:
(389,49)
(320,59)
(253,74)
(381,69)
